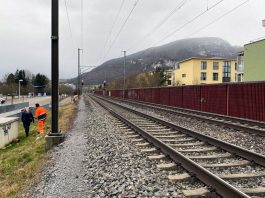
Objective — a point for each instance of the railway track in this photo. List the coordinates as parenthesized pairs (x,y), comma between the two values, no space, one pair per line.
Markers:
(245,125)
(230,170)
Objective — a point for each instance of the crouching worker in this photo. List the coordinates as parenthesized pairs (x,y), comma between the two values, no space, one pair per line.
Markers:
(40,114)
(26,118)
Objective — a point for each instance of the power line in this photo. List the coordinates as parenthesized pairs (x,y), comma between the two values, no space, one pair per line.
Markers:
(190,21)
(82,31)
(121,28)
(217,19)
(113,24)
(69,24)
(157,26)
(82,25)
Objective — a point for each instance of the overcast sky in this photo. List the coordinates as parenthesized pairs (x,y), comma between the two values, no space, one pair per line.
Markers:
(25,29)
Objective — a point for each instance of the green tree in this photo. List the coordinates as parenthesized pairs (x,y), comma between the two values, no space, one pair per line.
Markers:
(20,75)
(10,79)
(162,77)
(40,80)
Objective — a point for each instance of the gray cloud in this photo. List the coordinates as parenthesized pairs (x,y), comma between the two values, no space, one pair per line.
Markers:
(25,29)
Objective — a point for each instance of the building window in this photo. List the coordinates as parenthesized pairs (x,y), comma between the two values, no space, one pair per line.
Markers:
(169,82)
(203,75)
(227,71)
(183,75)
(215,76)
(203,65)
(215,65)
(239,77)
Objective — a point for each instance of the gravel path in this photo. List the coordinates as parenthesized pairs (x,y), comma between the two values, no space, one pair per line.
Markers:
(95,161)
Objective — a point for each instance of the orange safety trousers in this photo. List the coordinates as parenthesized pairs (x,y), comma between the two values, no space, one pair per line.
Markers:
(40,126)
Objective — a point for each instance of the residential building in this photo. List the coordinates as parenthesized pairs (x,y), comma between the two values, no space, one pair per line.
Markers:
(240,67)
(171,77)
(194,71)
(254,61)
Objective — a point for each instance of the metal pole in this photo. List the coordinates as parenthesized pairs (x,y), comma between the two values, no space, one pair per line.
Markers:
(79,71)
(55,64)
(124,65)
(19,90)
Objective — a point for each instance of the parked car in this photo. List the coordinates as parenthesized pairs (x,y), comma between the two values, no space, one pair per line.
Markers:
(2,100)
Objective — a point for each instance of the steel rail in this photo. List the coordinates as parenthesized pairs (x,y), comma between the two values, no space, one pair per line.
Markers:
(187,113)
(223,188)
(249,155)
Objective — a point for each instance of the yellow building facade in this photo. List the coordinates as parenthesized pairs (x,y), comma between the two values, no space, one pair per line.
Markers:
(195,71)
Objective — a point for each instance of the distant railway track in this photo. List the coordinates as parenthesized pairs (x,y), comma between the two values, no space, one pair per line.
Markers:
(245,125)
(216,163)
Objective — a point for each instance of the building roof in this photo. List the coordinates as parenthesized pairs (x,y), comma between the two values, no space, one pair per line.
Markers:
(256,41)
(202,58)
(240,53)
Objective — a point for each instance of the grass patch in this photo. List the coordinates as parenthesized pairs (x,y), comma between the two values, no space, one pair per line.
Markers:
(19,162)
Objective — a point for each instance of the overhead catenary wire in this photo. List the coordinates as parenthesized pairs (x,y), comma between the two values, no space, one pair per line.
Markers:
(188,22)
(113,25)
(69,24)
(158,25)
(82,31)
(120,30)
(220,17)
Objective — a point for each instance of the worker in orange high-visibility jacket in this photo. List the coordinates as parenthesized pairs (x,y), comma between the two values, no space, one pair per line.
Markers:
(40,114)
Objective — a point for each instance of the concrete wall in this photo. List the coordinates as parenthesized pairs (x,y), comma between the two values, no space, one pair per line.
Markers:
(13,107)
(8,130)
(254,61)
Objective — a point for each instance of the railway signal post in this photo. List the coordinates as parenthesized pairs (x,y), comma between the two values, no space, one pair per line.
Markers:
(54,137)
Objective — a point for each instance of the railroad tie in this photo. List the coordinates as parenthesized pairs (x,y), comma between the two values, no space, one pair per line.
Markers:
(155,130)
(179,140)
(168,133)
(187,144)
(129,133)
(169,136)
(167,166)
(241,175)
(199,192)
(226,155)
(179,177)
(142,144)
(137,140)
(156,157)
(149,150)
(198,150)
(238,163)
(257,190)
(133,136)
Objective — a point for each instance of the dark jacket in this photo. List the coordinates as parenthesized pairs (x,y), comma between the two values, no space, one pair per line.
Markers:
(27,117)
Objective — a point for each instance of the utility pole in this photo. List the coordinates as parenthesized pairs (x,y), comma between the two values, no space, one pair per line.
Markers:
(124,65)
(79,70)
(54,137)
(55,64)
(19,81)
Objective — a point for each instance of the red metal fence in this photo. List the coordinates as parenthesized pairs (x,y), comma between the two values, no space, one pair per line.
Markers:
(245,100)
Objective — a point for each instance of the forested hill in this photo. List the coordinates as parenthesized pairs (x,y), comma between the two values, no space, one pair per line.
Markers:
(165,56)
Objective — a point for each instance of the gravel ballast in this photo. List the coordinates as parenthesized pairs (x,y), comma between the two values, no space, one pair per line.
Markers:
(248,141)
(97,161)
